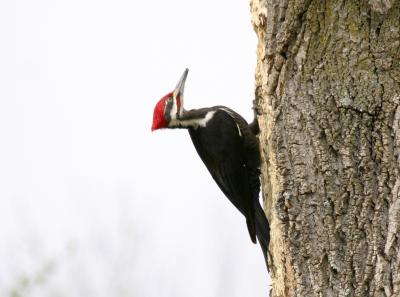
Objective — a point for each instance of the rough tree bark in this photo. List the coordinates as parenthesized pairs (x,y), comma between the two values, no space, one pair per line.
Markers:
(328,90)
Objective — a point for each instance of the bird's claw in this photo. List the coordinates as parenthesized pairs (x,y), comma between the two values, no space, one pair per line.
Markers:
(256,109)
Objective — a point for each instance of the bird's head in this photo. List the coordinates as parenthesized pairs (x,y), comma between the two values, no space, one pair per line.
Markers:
(170,107)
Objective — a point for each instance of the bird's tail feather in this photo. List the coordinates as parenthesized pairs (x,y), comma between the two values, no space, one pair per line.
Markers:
(262,231)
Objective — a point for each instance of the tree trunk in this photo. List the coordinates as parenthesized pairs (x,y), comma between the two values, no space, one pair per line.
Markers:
(328,92)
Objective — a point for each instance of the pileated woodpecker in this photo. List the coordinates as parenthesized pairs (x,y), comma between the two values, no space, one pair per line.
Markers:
(228,147)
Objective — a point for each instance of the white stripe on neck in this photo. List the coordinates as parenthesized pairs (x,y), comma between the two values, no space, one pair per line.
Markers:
(194,123)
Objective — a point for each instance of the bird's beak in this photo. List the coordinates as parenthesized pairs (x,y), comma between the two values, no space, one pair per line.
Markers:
(181,85)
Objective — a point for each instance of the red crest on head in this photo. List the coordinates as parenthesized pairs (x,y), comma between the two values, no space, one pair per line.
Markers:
(159,120)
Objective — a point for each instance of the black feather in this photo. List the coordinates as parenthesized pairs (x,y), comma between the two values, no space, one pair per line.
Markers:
(230,152)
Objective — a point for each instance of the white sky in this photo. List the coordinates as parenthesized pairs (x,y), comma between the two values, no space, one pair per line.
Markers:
(91,202)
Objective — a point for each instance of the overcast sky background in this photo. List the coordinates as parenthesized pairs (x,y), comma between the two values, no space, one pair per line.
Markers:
(91,202)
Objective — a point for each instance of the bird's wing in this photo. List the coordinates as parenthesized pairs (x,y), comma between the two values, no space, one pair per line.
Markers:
(225,159)
(233,181)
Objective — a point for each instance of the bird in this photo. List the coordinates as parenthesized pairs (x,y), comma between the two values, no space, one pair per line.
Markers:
(229,148)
